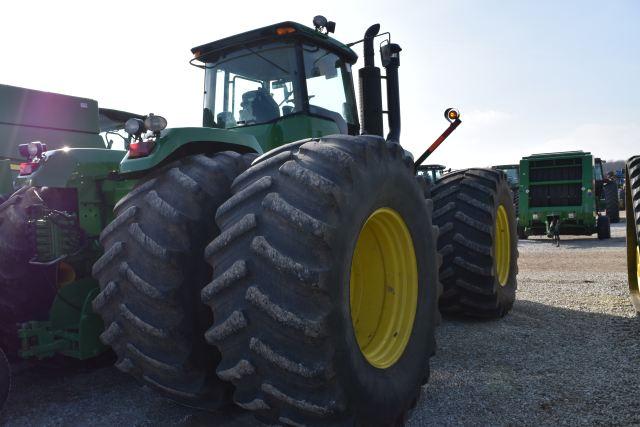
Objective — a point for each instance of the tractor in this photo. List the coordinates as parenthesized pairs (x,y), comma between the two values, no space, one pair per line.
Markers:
(285,256)
(49,226)
(632,204)
(513,177)
(569,187)
(432,172)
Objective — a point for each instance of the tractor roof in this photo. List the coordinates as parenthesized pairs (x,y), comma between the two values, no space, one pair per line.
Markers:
(290,30)
(431,167)
(563,154)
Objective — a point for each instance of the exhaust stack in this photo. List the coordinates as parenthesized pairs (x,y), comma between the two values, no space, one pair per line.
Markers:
(390,54)
(370,87)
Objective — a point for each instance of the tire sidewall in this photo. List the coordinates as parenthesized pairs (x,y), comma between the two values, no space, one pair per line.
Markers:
(378,395)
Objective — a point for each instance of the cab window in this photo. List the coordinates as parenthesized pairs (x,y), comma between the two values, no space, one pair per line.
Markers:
(328,83)
(252,85)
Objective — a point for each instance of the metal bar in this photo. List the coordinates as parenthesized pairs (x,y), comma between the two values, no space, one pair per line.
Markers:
(438,141)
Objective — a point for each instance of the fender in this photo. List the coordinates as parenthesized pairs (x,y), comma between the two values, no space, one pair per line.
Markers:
(174,141)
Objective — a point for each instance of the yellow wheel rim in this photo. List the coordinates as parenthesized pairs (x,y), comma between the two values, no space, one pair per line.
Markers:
(383,288)
(502,246)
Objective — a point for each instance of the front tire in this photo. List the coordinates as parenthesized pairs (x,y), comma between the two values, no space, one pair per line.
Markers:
(152,272)
(292,318)
(478,242)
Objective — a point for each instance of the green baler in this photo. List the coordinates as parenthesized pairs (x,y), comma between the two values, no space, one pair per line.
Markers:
(568,186)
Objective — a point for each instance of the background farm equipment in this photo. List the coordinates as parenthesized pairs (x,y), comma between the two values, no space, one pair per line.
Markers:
(55,120)
(432,172)
(513,177)
(568,186)
(49,226)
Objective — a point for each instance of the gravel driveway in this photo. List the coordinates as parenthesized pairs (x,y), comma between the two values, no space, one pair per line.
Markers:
(568,353)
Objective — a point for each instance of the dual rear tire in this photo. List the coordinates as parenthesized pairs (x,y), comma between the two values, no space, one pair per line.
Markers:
(152,272)
(325,287)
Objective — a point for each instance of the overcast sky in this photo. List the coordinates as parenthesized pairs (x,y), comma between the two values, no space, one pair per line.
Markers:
(528,76)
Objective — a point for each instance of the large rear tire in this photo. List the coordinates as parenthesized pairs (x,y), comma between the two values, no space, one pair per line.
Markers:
(5,379)
(611,201)
(26,292)
(633,228)
(325,284)
(478,242)
(152,272)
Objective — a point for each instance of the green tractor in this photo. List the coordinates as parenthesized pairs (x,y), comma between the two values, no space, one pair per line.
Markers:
(55,120)
(513,177)
(632,204)
(303,284)
(432,173)
(567,186)
(50,225)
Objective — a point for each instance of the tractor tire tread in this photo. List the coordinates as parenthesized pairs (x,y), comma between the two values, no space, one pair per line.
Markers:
(465,205)
(148,277)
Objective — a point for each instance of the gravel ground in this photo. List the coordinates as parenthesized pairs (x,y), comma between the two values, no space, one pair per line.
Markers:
(568,353)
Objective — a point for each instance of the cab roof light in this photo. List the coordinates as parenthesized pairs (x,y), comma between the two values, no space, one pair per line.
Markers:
(281,31)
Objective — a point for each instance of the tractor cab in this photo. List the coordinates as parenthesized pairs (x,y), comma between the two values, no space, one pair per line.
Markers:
(431,172)
(512,172)
(598,177)
(279,83)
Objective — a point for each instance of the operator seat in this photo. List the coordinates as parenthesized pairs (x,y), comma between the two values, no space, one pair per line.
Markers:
(262,105)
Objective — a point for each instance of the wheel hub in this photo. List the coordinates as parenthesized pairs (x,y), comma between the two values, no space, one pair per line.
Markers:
(502,246)
(383,288)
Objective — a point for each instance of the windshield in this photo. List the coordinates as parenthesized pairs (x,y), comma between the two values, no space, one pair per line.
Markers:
(431,174)
(252,85)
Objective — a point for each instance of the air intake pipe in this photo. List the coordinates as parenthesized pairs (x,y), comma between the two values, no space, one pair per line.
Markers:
(370,87)
(390,54)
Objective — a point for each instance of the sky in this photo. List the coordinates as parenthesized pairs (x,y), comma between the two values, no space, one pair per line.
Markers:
(527,76)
